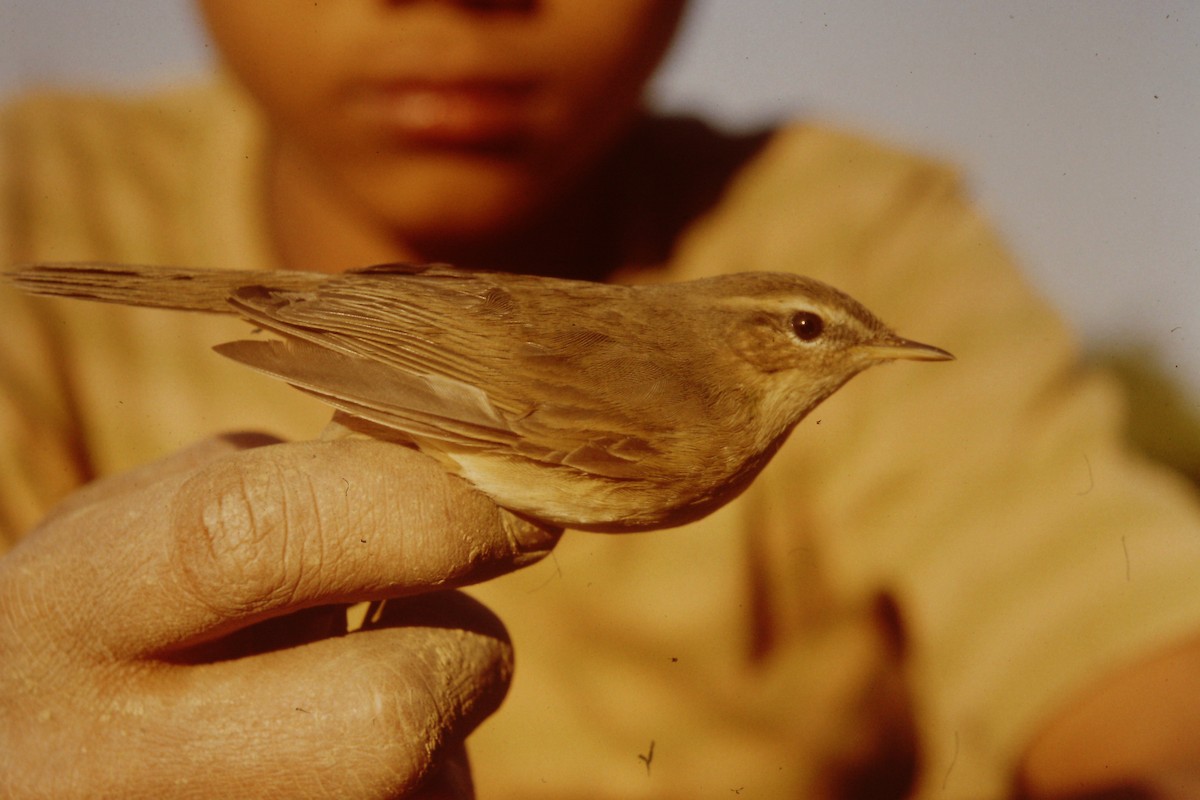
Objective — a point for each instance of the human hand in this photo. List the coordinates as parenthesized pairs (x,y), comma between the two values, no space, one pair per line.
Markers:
(174,631)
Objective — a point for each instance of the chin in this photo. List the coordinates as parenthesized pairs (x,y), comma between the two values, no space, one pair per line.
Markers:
(454,201)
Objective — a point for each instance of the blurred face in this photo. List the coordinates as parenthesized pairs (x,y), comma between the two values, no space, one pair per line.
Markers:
(444,118)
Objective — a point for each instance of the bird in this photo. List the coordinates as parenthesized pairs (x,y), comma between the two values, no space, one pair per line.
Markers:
(586,405)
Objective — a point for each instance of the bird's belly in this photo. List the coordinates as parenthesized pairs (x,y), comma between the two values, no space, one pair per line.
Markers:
(570,498)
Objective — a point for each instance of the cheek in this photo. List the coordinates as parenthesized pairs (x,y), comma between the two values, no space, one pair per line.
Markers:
(761,344)
(601,55)
(289,55)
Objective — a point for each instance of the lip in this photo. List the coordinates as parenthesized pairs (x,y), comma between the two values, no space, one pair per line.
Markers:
(457,114)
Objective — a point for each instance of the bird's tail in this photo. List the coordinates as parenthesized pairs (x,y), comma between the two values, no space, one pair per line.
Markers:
(154,287)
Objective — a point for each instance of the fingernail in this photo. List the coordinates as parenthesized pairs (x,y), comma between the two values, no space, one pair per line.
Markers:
(529,541)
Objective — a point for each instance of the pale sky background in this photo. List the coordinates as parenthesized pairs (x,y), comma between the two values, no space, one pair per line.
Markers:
(1076,122)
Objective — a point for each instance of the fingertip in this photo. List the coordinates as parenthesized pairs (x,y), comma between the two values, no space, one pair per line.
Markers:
(272,529)
(530,541)
(378,712)
(460,641)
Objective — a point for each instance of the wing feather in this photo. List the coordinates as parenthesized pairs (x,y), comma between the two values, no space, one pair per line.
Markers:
(423,406)
(466,360)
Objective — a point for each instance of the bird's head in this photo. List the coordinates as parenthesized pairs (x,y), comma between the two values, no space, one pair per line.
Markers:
(799,340)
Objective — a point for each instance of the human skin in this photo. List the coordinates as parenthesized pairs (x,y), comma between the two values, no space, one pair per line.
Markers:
(513,102)
(456,131)
(177,631)
(419,130)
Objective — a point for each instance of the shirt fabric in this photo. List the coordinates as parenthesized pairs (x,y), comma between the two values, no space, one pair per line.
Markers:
(940,557)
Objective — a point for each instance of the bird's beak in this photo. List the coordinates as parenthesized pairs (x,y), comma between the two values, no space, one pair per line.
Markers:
(894,348)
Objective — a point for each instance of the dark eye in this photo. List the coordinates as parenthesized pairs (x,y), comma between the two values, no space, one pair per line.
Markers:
(807,325)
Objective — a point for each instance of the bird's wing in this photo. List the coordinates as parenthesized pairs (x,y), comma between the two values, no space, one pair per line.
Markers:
(421,406)
(464,360)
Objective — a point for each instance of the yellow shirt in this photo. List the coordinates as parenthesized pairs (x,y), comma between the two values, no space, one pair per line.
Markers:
(937,560)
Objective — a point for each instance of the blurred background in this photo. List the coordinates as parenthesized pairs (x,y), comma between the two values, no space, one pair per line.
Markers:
(1075,122)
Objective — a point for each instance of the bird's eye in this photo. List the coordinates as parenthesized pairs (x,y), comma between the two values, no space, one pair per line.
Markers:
(807,325)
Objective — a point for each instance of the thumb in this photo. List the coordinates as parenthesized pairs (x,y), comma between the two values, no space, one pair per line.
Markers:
(258,533)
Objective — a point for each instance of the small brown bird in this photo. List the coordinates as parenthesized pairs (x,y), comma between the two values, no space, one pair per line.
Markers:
(580,404)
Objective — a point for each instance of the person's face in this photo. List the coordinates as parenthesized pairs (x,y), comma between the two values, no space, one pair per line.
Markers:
(445,118)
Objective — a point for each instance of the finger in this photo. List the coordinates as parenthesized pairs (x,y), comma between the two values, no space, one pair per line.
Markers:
(450,778)
(260,532)
(183,461)
(369,714)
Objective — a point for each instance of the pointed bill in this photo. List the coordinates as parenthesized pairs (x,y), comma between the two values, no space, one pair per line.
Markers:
(894,348)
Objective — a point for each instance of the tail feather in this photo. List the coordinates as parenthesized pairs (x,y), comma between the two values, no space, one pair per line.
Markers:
(153,287)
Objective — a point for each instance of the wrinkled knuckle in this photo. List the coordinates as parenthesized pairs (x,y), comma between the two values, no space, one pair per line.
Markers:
(236,537)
